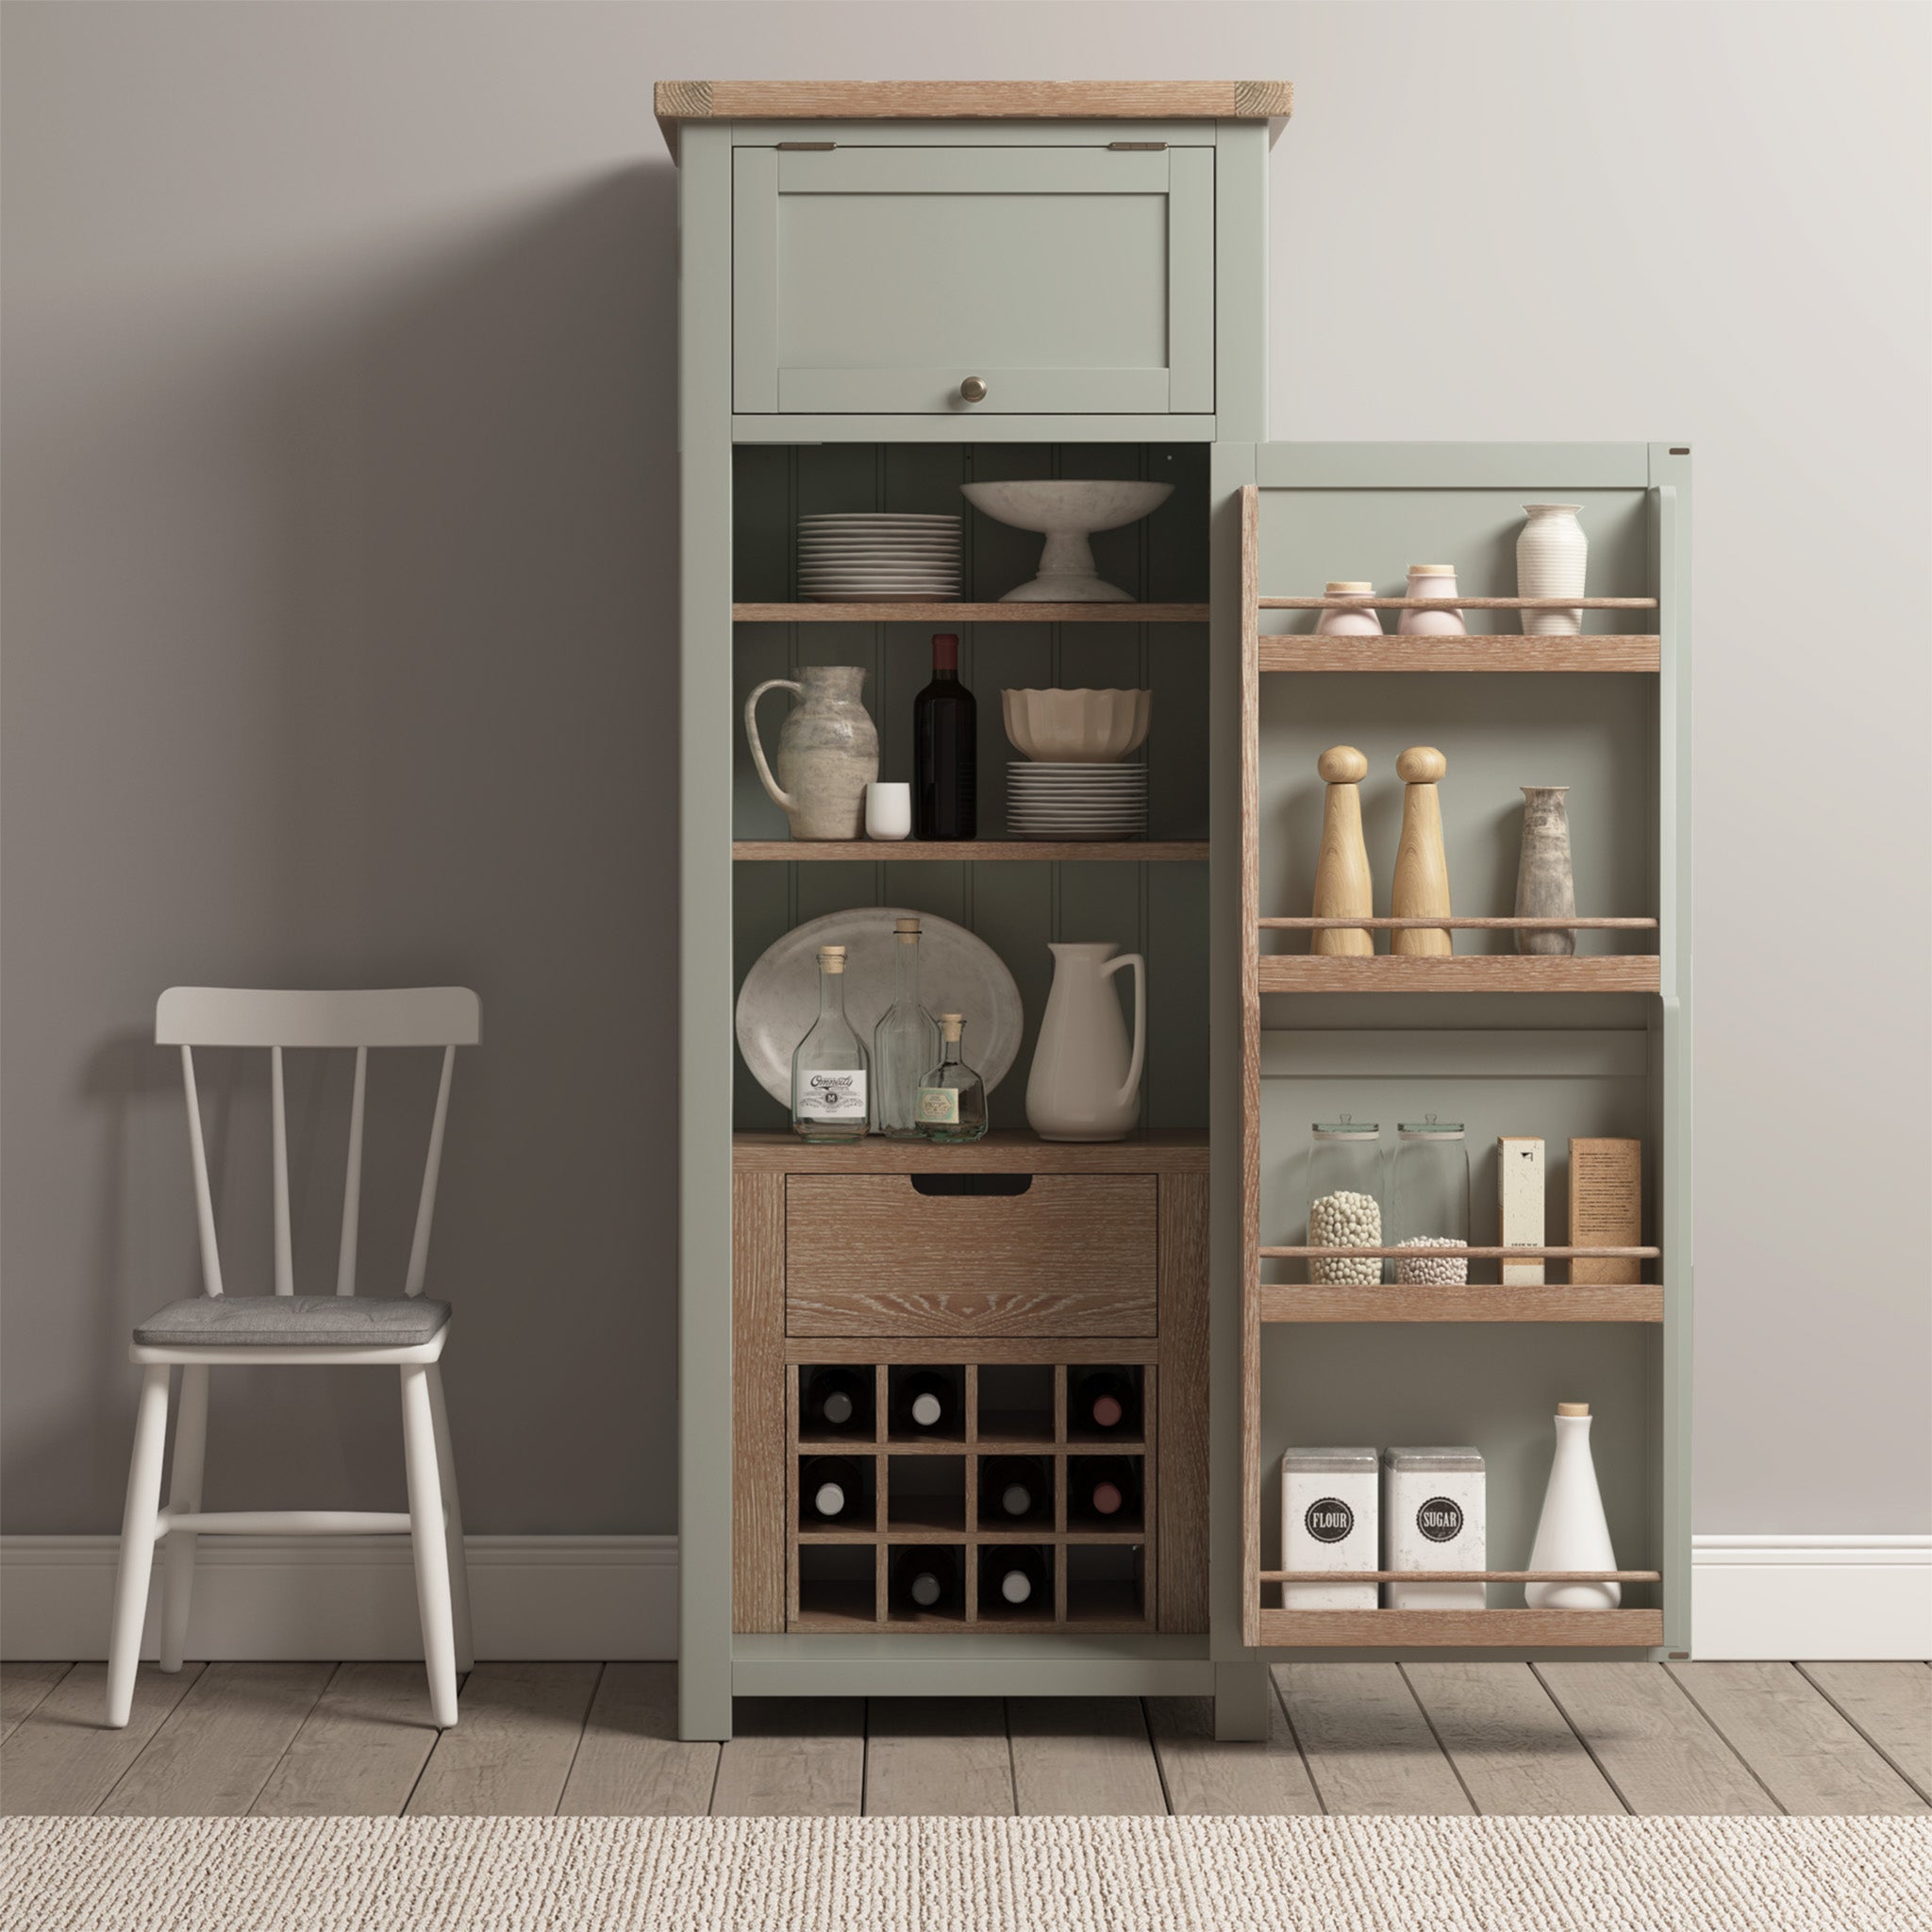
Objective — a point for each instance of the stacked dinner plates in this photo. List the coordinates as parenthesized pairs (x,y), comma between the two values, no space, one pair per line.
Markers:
(879,557)
(1062,801)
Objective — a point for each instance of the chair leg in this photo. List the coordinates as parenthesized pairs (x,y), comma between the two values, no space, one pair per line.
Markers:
(427,1541)
(184,1492)
(137,1545)
(453,1525)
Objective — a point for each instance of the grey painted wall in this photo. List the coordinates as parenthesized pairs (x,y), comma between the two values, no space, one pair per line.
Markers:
(339,602)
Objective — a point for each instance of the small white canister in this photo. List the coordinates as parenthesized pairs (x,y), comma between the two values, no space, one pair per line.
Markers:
(1328,1508)
(1432,1519)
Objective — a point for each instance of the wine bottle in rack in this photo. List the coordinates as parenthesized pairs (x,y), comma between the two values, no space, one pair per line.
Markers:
(1107,1486)
(1016,1577)
(838,1402)
(945,741)
(924,1400)
(1012,1488)
(926,1578)
(832,1488)
(1104,1401)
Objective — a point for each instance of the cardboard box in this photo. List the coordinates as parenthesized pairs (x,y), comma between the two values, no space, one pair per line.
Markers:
(1605,1207)
(1520,1204)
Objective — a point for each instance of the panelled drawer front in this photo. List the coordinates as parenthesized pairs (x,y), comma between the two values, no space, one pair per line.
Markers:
(870,1255)
(1073,281)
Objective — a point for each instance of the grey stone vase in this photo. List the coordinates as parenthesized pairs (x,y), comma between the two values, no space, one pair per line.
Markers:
(828,751)
(1545,889)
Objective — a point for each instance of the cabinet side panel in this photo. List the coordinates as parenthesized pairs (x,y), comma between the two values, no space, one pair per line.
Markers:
(758,1402)
(1182,1384)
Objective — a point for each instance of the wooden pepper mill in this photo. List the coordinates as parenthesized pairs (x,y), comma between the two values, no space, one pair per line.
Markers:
(1421,887)
(1343,886)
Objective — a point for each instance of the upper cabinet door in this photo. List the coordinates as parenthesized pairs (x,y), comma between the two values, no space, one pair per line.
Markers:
(883,281)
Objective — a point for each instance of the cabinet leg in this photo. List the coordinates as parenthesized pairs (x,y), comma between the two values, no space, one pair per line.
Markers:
(703,1705)
(1242,1696)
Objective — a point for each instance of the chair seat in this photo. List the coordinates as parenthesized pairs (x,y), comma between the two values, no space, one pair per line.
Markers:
(293,1321)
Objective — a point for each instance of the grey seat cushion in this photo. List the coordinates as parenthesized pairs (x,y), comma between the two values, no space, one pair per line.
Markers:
(293,1321)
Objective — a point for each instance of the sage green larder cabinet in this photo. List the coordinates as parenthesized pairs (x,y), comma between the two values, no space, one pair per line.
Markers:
(887,290)
(1059,280)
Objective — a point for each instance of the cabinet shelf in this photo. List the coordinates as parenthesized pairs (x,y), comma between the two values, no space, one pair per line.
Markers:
(1450,973)
(1460,1629)
(973,851)
(998,1153)
(969,613)
(1319,1302)
(1479,651)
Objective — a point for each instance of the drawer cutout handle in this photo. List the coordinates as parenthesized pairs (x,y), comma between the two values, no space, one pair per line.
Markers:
(945,1184)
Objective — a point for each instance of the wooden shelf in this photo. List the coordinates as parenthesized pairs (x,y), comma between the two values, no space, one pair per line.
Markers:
(952,613)
(1315,1302)
(1458,1251)
(1566,923)
(1494,651)
(1462,1629)
(1455,603)
(1462,1576)
(998,1153)
(1449,973)
(975,851)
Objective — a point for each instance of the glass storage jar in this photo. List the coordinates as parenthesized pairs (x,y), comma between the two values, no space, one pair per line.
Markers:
(1429,1201)
(1345,1199)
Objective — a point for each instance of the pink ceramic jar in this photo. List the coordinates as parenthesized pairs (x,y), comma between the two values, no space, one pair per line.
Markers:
(1432,580)
(1364,623)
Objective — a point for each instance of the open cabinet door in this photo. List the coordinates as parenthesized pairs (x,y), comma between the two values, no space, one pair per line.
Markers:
(1369,1348)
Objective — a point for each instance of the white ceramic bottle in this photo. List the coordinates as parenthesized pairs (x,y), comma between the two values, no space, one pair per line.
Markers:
(1572,1533)
(1552,553)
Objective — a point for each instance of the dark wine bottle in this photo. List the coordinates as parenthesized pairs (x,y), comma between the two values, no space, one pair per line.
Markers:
(1013,1487)
(1107,1486)
(831,1487)
(946,751)
(838,1402)
(925,1401)
(1105,1400)
(1015,1577)
(925,1579)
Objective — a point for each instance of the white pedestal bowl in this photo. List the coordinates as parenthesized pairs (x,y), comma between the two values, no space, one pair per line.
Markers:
(1067,514)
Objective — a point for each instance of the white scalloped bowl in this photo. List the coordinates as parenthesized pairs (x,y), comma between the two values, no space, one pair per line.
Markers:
(1078,727)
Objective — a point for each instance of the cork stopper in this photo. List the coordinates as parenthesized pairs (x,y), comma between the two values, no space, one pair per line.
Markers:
(1342,764)
(904,930)
(952,1025)
(1420,764)
(831,958)
(1573,1408)
(1353,588)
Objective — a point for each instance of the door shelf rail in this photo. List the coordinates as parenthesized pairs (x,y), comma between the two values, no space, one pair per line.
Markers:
(1300,1300)
(1458,1629)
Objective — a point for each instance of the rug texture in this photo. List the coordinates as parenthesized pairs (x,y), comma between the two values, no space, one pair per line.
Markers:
(943,1875)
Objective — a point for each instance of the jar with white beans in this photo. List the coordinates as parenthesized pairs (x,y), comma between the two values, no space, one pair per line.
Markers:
(1345,1199)
(1429,1201)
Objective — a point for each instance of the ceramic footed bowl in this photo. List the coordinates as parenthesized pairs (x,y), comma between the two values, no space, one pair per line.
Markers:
(1067,514)
(1078,727)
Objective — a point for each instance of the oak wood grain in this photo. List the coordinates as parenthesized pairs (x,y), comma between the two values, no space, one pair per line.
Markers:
(1493,652)
(1368,1746)
(758,1375)
(793,1758)
(1889,1703)
(1797,1741)
(511,1752)
(938,1757)
(631,1763)
(1461,972)
(360,1752)
(1512,1747)
(61,1761)
(1083,1757)
(1461,1630)
(1206,1779)
(1652,1743)
(953,1313)
(999,1152)
(1181,1467)
(1310,1302)
(983,1348)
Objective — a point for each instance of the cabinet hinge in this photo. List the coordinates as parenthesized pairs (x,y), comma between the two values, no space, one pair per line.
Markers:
(1137,147)
(807,148)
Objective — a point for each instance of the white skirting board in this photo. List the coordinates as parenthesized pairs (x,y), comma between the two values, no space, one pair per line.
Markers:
(608,1598)
(616,1597)
(1811,1596)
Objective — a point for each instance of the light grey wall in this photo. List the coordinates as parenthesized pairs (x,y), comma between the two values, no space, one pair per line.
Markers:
(339,475)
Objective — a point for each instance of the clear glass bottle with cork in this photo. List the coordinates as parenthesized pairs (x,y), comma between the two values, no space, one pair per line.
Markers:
(830,1068)
(905,1043)
(952,1097)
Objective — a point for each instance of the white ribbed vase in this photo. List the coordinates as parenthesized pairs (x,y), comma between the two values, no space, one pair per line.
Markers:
(1572,1533)
(1551,554)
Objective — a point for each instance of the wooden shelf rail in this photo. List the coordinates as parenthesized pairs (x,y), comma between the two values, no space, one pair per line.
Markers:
(1462,1576)
(1458,972)
(1454,1629)
(1494,651)
(1481,1301)
(949,612)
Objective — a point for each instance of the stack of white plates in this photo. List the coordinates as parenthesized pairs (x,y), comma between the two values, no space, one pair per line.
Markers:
(1063,801)
(879,557)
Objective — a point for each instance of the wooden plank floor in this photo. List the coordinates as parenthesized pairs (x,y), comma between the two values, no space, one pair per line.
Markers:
(1421,1739)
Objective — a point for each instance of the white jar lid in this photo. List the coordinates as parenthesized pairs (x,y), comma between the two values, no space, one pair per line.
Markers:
(1434,1459)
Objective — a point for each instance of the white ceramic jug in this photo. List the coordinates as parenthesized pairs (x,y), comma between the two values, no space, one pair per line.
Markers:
(1086,1082)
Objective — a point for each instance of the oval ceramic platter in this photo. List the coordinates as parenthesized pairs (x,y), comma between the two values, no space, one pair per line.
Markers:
(959,973)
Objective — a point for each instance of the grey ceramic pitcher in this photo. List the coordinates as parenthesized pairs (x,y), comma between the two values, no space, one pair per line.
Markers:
(828,751)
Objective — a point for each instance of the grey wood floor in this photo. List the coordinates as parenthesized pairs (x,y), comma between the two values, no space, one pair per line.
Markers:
(288,1740)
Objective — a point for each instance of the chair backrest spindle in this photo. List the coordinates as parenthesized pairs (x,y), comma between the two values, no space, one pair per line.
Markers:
(285,1240)
(426,1205)
(203,1200)
(352,1180)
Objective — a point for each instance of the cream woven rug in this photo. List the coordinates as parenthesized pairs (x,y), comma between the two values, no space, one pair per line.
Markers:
(1029,1874)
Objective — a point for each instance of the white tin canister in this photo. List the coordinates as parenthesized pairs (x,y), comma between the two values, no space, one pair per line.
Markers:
(1328,1510)
(1432,1519)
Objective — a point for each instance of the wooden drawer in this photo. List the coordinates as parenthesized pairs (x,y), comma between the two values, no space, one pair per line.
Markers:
(1073,281)
(871,1254)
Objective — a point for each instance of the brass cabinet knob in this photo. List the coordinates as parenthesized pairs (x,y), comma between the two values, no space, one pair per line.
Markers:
(973,388)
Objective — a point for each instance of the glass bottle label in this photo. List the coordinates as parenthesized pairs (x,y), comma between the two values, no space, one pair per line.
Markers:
(832,1097)
(939,1105)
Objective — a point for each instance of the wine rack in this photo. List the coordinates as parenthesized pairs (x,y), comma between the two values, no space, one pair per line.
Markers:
(921,1487)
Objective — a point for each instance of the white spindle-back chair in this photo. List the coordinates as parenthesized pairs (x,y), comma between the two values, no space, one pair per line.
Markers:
(215,1330)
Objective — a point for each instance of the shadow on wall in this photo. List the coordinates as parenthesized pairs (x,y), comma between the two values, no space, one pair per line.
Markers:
(468,494)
